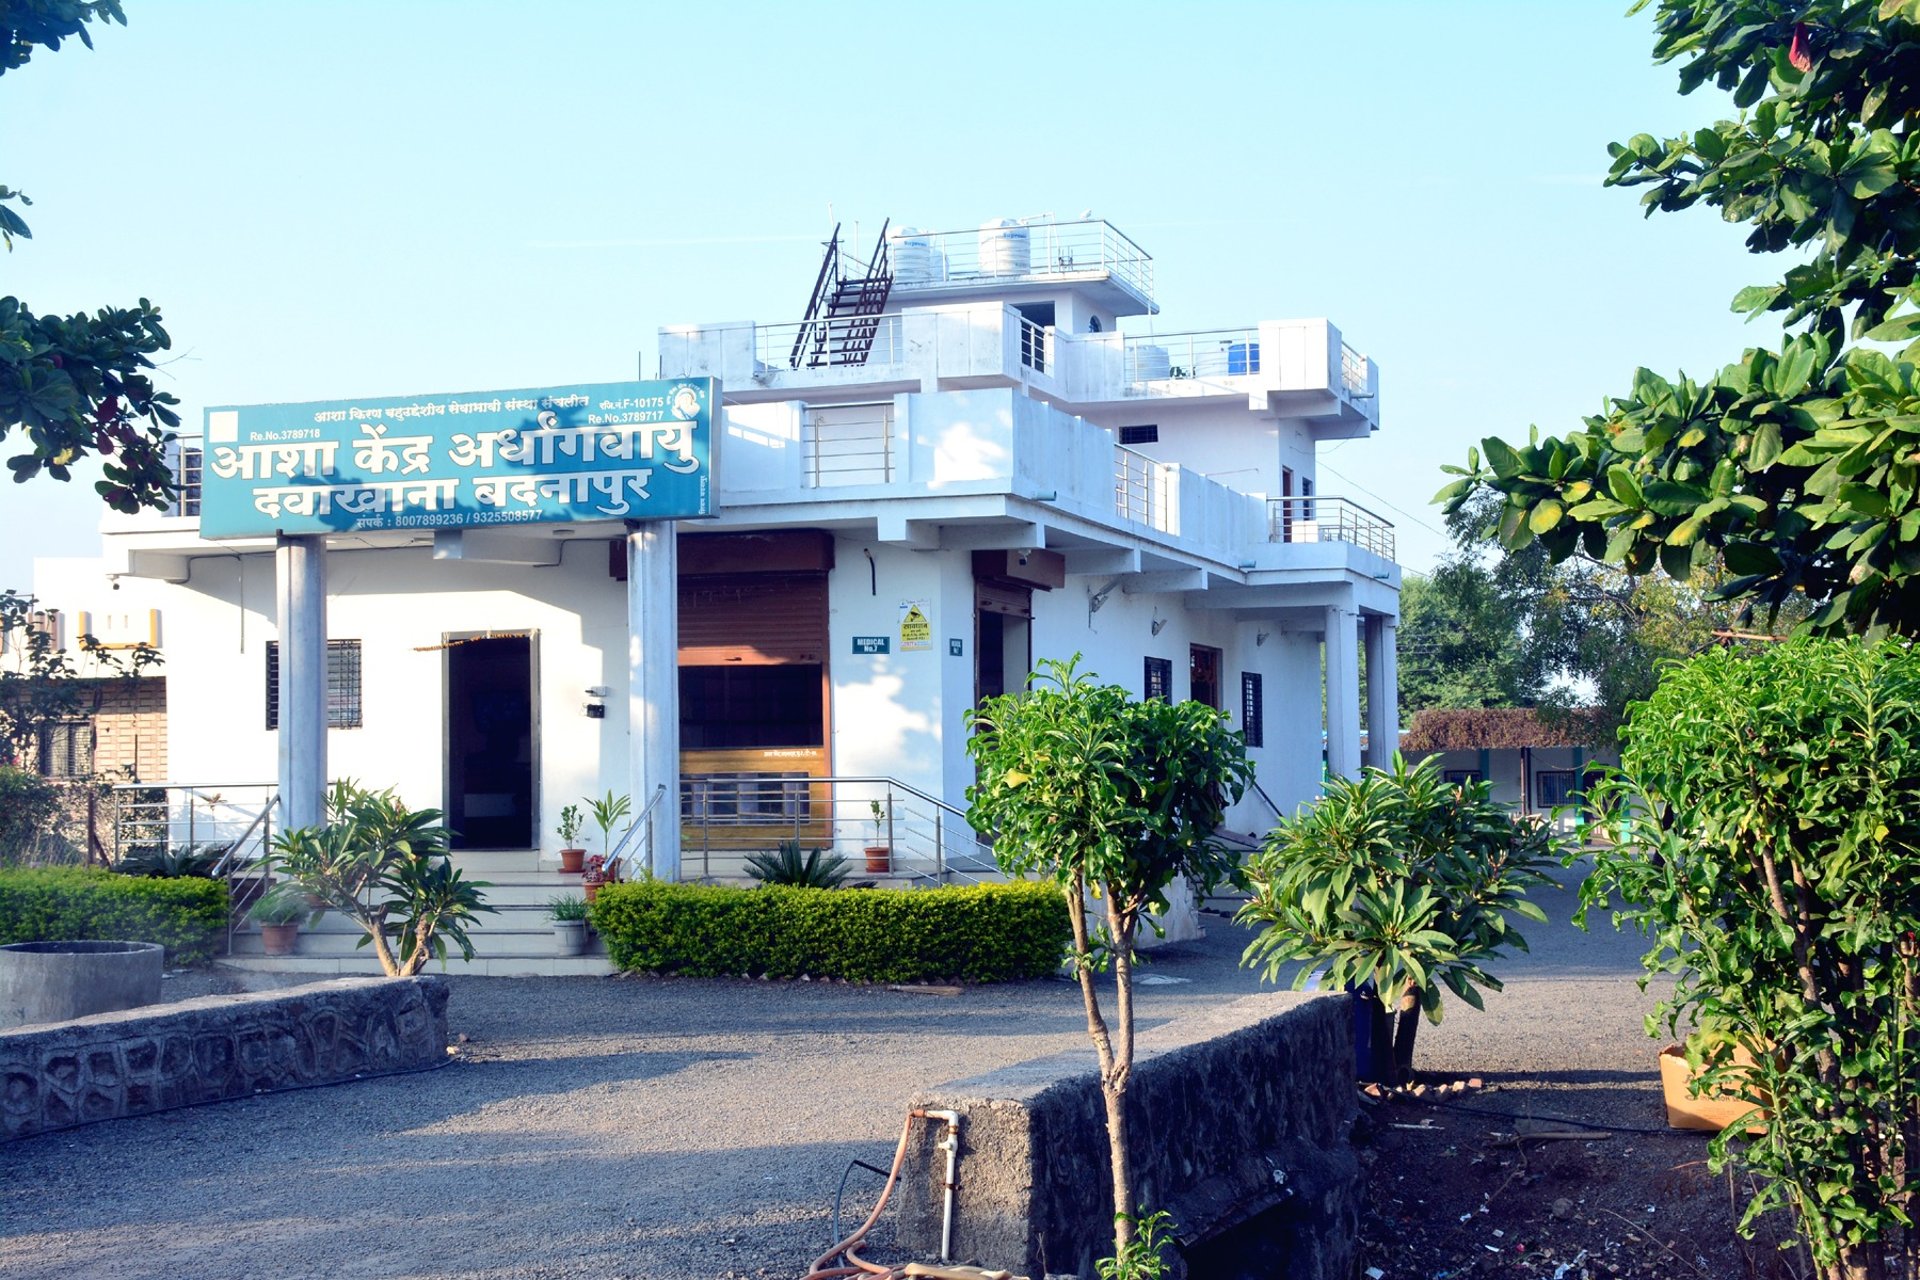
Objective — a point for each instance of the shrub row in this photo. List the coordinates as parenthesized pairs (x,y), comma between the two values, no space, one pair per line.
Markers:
(186,916)
(985,933)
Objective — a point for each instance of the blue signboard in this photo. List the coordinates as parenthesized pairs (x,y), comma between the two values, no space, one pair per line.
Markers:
(599,451)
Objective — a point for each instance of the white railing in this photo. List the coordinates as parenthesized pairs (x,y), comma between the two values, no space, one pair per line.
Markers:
(1206,353)
(849,444)
(1135,485)
(175,817)
(1353,370)
(773,344)
(1036,249)
(1319,519)
(1036,345)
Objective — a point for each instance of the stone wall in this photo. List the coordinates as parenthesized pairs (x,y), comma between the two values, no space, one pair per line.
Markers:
(164,1056)
(1241,1122)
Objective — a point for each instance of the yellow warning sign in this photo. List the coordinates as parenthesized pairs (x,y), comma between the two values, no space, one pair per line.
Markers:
(916,628)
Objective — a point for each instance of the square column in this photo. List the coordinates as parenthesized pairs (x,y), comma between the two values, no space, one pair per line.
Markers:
(1343,691)
(653,695)
(1383,689)
(300,594)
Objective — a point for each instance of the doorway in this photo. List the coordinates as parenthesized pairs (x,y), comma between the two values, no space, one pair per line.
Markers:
(1002,640)
(1203,675)
(490,742)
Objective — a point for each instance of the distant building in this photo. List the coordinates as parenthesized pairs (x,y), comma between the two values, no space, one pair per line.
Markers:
(1534,766)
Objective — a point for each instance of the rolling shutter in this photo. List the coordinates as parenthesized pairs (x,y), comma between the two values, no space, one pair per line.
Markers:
(755,618)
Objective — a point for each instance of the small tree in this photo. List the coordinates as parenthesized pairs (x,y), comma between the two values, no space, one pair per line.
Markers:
(1773,861)
(1115,798)
(1398,883)
(385,867)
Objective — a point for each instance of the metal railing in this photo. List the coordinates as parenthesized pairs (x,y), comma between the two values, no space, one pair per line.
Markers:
(883,827)
(1136,487)
(1036,341)
(772,343)
(173,817)
(1204,353)
(1353,370)
(634,849)
(1038,248)
(848,444)
(1319,519)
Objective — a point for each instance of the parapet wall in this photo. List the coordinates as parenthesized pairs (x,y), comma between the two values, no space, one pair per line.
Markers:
(1241,1122)
(164,1056)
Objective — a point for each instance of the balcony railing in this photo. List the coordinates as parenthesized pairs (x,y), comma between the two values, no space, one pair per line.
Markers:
(1029,251)
(1319,519)
(774,344)
(1207,353)
(1353,370)
(849,444)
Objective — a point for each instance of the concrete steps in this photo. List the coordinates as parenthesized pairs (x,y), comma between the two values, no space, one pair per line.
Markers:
(516,939)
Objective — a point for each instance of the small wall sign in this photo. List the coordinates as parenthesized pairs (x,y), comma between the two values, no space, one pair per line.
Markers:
(955,649)
(870,644)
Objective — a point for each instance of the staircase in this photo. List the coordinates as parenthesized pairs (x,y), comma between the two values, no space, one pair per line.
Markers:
(844,312)
(515,940)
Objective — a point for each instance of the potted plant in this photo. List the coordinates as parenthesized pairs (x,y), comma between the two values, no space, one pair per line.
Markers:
(278,912)
(569,915)
(607,812)
(593,875)
(572,856)
(879,853)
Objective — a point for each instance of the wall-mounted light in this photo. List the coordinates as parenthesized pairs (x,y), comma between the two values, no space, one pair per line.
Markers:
(1259,638)
(1158,621)
(597,702)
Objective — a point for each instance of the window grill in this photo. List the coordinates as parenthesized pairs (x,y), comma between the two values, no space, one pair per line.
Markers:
(343,684)
(1159,679)
(1252,709)
(1148,434)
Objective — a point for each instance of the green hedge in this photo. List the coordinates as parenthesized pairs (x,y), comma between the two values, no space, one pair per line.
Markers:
(187,916)
(986,933)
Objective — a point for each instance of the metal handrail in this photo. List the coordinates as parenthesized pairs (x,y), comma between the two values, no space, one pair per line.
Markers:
(645,819)
(225,867)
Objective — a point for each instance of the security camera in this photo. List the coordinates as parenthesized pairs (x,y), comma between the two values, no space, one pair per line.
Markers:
(1024,556)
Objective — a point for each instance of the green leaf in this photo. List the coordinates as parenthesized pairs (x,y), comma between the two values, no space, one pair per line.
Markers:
(1746,557)
(1623,487)
(1545,516)
(1899,329)
(1765,448)
(1505,462)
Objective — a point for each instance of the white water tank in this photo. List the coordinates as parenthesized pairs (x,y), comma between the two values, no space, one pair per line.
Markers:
(1150,363)
(1005,248)
(912,256)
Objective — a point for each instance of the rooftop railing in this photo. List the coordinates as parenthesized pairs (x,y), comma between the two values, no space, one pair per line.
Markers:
(1030,250)
(823,343)
(1319,519)
(1204,353)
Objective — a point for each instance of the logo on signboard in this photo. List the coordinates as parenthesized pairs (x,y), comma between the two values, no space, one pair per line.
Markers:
(597,451)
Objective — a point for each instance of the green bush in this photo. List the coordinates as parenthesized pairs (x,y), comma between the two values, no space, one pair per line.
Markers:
(27,804)
(987,933)
(186,916)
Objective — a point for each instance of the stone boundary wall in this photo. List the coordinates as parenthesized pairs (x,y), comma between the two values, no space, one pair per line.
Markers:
(1240,1117)
(159,1057)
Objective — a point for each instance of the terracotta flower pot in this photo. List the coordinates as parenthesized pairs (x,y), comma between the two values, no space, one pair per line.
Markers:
(278,939)
(879,859)
(572,860)
(592,888)
(1711,1111)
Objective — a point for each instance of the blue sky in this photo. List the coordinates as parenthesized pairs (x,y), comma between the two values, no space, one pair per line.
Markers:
(339,200)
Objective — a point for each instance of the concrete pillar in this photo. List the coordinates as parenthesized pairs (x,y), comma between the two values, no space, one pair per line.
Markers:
(653,691)
(1383,690)
(300,584)
(1343,691)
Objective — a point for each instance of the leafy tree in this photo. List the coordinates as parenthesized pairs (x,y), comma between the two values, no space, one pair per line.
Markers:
(1773,865)
(1797,468)
(386,868)
(1080,784)
(1459,640)
(77,385)
(1396,884)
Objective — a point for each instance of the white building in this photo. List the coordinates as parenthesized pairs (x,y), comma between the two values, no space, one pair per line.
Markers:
(978,451)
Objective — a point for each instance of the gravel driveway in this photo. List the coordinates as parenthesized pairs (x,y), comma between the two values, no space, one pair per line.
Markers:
(667,1129)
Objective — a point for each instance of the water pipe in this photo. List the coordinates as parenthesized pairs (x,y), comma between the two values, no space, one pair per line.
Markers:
(853,1264)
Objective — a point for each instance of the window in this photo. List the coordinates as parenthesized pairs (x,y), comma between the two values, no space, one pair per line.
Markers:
(734,707)
(66,749)
(343,684)
(186,474)
(1461,777)
(1253,709)
(1160,679)
(1149,434)
(1552,787)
